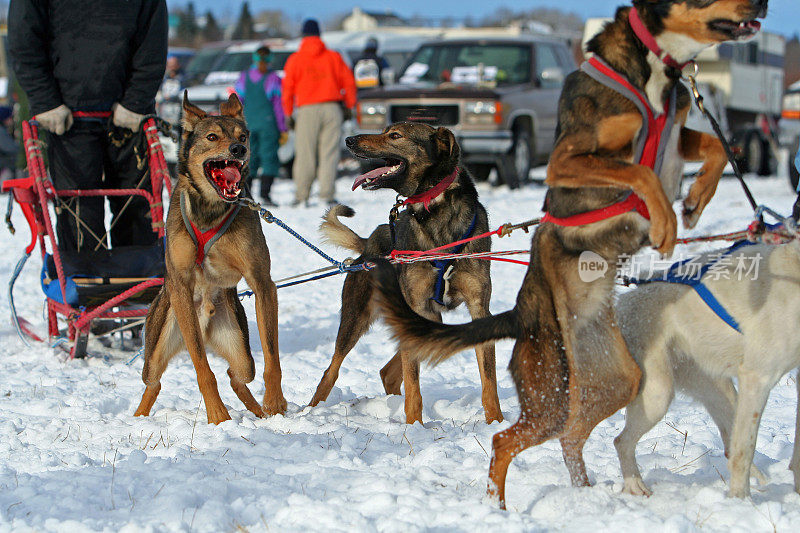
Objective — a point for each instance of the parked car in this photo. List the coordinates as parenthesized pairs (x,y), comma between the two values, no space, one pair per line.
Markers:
(498,95)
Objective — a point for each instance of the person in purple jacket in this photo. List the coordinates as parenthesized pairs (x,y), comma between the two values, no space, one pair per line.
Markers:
(259,88)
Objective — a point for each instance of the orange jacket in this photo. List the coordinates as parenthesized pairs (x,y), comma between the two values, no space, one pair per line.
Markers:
(314,75)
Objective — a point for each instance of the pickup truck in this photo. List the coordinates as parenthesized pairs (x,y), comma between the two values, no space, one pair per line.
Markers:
(499,96)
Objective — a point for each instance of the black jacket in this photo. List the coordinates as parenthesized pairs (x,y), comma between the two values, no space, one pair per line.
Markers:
(88,54)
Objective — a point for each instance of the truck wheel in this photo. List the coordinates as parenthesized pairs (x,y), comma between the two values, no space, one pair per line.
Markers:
(793,172)
(757,154)
(515,167)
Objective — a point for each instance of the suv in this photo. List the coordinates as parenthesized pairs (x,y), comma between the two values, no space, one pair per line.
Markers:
(790,128)
(498,95)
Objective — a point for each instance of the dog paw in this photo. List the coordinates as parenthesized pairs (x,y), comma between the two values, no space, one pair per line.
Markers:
(274,405)
(663,230)
(218,415)
(695,202)
(739,492)
(636,487)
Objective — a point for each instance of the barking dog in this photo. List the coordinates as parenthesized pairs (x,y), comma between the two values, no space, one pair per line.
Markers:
(211,245)
(443,207)
(617,161)
(679,341)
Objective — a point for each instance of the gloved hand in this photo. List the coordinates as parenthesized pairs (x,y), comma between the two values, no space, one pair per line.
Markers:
(283,138)
(347,113)
(290,122)
(57,120)
(125,118)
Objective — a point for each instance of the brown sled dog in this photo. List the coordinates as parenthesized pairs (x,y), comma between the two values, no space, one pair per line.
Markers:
(197,306)
(420,159)
(570,363)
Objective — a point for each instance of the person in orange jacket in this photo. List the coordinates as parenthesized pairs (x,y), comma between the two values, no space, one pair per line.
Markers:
(319,92)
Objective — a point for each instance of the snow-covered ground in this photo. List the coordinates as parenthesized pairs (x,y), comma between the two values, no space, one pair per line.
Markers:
(73,458)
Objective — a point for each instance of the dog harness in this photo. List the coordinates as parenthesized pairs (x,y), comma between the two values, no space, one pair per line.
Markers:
(444,267)
(695,281)
(204,240)
(649,148)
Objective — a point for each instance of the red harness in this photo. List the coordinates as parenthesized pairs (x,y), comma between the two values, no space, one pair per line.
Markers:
(203,240)
(426,197)
(649,156)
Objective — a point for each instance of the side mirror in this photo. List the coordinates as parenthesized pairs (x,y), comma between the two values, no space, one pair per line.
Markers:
(552,77)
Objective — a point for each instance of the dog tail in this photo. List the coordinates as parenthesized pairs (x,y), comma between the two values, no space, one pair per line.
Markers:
(337,233)
(426,340)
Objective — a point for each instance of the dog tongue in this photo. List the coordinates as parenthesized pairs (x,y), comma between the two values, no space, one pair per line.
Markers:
(231,175)
(369,175)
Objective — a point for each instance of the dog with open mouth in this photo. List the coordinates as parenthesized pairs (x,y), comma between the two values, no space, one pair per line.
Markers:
(615,168)
(211,245)
(441,206)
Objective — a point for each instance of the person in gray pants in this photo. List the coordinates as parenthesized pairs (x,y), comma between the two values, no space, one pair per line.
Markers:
(319,92)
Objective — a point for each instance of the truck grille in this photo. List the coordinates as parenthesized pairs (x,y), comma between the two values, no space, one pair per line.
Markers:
(439,115)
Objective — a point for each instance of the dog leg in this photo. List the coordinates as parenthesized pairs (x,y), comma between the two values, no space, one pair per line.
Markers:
(162,342)
(228,337)
(413,398)
(356,318)
(572,452)
(696,146)
(794,464)
(754,390)
(479,308)
(644,412)
(267,318)
(538,373)
(392,374)
(182,304)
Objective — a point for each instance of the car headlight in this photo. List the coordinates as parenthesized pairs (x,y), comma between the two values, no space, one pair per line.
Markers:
(483,112)
(371,115)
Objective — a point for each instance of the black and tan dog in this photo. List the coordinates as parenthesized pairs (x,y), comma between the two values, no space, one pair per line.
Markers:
(197,306)
(570,363)
(423,164)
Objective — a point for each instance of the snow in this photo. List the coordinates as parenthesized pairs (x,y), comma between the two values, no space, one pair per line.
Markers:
(73,458)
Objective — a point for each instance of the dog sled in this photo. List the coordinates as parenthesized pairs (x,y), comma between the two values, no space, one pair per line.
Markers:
(87,293)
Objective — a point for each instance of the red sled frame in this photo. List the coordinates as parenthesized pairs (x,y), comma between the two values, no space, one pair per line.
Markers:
(34,194)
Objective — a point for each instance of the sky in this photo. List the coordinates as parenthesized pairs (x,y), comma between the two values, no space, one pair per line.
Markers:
(783,17)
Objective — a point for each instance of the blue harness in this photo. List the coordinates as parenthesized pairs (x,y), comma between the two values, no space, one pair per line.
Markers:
(695,281)
(443,265)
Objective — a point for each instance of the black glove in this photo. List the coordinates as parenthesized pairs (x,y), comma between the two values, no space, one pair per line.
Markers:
(347,113)
(290,122)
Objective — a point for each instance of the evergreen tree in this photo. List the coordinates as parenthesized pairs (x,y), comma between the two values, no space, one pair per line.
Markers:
(211,31)
(187,30)
(244,26)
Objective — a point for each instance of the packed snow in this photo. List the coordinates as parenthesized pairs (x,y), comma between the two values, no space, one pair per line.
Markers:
(73,458)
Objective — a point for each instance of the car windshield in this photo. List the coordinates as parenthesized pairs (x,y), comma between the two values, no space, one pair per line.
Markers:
(238,61)
(204,60)
(496,64)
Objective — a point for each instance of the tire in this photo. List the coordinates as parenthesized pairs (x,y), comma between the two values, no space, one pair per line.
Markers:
(794,175)
(480,171)
(757,156)
(515,167)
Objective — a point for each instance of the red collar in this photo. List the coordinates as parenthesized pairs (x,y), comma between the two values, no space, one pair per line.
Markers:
(427,197)
(649,41)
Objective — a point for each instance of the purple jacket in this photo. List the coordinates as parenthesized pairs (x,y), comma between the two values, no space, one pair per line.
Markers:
(272,88)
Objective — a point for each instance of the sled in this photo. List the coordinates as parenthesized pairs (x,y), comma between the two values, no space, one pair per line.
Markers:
(109,289)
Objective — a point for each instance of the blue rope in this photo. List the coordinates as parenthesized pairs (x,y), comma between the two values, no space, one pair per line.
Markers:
(272,219)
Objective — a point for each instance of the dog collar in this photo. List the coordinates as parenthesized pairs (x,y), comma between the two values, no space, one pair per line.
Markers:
(428,196)
(649,41)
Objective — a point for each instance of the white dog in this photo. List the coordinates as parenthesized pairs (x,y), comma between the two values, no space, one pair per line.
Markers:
(679,341)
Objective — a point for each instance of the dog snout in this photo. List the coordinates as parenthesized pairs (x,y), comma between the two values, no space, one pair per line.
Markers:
(761,5)
(351,142)
(238,150)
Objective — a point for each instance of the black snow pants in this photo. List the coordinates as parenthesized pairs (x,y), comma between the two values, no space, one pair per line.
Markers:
(93,155)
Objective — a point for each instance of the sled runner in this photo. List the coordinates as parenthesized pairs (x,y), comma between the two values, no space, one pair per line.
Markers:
(108,288)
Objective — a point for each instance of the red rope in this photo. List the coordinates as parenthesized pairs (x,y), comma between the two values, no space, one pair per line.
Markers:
(420,253)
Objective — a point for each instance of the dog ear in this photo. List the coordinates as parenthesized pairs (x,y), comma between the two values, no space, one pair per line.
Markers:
(191,113)
(446,143)
(232,108)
